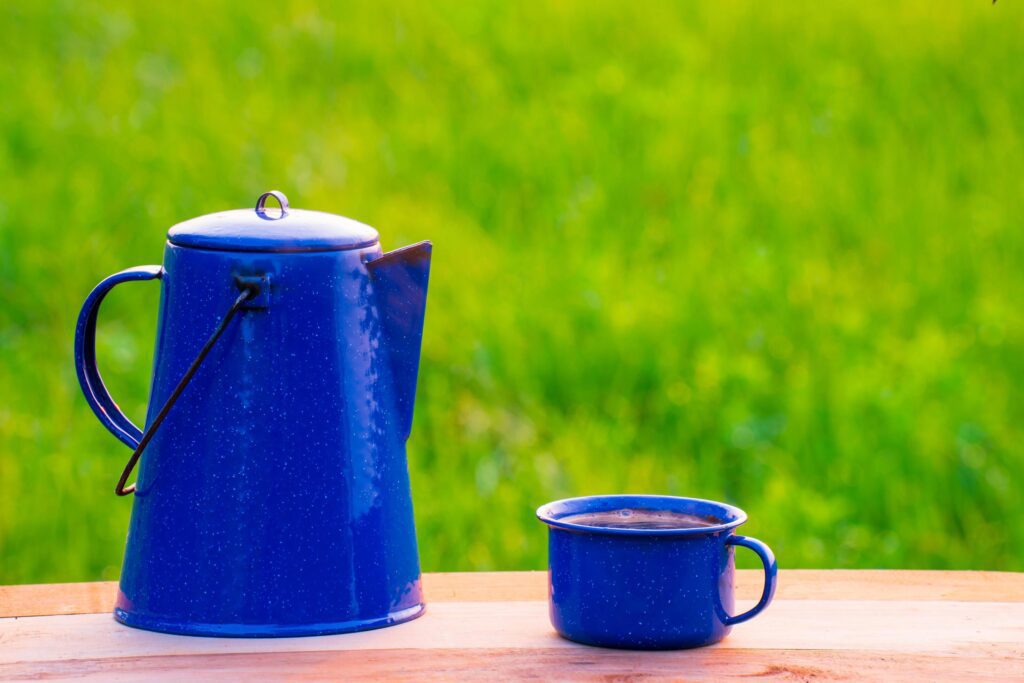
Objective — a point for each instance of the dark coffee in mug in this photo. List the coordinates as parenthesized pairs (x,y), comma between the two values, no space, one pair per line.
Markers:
(640,518)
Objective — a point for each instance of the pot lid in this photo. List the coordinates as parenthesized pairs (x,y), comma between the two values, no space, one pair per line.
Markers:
(280,229)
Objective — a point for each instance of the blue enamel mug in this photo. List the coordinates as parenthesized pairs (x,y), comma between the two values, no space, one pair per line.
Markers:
(647,588)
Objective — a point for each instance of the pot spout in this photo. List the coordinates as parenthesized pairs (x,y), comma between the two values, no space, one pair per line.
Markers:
(400,288)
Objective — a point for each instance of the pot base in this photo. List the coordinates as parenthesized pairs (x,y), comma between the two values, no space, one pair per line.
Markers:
(186,628)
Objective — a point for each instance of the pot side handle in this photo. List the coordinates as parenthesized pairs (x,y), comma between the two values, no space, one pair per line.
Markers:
(96,393)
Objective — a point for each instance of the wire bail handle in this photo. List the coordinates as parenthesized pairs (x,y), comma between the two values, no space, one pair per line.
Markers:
(249,291)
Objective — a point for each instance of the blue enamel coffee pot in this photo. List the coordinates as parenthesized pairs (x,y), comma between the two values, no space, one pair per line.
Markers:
(273,495)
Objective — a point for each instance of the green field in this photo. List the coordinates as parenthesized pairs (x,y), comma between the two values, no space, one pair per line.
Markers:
(769,254)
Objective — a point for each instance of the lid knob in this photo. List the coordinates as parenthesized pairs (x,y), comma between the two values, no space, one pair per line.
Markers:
(261,204)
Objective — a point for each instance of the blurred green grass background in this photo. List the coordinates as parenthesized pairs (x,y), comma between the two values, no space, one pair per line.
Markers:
(767,253)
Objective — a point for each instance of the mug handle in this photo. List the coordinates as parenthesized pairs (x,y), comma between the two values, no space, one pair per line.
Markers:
(771,570)
(96,393)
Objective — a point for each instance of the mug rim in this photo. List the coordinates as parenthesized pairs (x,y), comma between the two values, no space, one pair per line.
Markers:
(546,515)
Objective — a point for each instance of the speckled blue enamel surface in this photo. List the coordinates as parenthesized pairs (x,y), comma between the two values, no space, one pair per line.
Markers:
(644,589)
(275,499)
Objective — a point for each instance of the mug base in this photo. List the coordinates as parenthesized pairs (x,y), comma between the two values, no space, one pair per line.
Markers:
(617,644)
(188,628)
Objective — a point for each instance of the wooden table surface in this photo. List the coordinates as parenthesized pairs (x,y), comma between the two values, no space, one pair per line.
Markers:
(823,625)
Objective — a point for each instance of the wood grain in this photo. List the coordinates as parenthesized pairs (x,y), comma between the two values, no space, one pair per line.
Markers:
(794,584)
(539,665)
(869,625)
(908,627)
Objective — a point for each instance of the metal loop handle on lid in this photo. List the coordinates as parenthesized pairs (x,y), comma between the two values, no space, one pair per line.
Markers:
(261,203)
